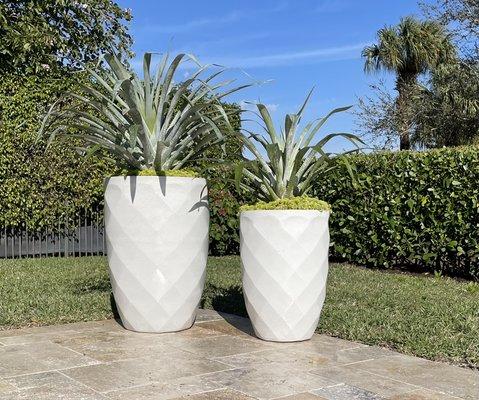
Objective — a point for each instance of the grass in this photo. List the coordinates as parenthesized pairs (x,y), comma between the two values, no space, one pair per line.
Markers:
(431,317)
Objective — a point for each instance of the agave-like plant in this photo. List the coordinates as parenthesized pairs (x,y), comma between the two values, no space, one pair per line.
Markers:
(144,123)
(291,163)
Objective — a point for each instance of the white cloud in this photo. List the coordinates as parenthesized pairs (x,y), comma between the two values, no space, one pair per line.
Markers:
(302,57)
(233,16)
(251,105)
(272,107)
(194,24)
(347,52)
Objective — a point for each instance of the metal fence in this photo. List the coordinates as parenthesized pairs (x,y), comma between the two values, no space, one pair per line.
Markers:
(86,238)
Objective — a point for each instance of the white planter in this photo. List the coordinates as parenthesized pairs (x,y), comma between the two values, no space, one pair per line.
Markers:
(285,267)
(157,243)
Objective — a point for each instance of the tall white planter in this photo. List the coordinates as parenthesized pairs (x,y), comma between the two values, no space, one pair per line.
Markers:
(285,267)
(157,243)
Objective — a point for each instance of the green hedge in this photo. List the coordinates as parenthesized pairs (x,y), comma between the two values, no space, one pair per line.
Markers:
(408,209)
(39,188)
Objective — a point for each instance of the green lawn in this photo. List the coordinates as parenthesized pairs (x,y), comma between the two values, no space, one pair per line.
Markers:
(431,317)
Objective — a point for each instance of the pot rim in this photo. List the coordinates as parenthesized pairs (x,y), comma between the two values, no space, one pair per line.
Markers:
(285,211)
(157,177)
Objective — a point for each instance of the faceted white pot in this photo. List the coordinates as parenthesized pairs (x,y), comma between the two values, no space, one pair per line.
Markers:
(285,267)
(157,244)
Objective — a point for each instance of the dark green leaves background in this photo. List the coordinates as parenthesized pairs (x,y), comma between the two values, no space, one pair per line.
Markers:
(408,209)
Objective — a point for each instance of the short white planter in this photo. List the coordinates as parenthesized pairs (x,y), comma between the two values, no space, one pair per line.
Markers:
(157,244)
(285,267)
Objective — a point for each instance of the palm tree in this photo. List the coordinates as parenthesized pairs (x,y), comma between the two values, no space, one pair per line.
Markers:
(409,49)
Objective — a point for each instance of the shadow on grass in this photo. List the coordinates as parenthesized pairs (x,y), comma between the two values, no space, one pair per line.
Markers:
(228,300)
(92,286)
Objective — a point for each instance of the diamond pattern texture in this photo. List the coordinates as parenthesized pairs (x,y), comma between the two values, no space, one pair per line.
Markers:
(157,244)
(285,267)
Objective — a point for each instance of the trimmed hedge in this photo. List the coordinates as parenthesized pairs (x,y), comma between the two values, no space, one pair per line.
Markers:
(417,210)
(40,188)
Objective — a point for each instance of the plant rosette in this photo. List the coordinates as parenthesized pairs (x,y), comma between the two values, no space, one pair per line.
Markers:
(157,245)
(284,251)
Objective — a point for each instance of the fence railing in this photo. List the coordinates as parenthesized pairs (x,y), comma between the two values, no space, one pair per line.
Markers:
(86,238)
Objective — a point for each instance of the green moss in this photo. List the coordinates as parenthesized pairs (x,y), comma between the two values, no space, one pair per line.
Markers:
(182,173)
(293,203)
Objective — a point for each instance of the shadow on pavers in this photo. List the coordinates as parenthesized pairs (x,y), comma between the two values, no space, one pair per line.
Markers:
(229,302)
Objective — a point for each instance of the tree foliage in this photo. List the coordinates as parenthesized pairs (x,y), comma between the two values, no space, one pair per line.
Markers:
(447,109)
(409,49)
(462,18)
(43,34)
(443,110)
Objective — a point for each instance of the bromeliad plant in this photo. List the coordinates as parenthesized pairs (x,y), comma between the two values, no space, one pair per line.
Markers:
(292,163)
(145,123)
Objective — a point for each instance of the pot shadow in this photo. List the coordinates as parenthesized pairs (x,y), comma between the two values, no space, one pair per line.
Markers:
(229,302)
(116,314)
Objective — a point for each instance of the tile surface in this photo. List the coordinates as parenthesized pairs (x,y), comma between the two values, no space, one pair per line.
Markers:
(218,359)
(346,392)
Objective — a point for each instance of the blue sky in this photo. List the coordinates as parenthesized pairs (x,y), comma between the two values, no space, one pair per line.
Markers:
(297,44)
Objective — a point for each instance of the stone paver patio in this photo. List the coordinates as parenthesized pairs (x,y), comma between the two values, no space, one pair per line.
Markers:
(219,358)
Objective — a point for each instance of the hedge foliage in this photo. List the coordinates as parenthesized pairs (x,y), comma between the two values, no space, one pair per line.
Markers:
(407,209)
(39,188)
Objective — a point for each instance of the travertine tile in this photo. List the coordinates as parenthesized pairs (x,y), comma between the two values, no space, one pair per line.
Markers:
(296,357)
(37,357)
(423,394)
(111,346)
(143,371)
(364,380)
(49,386)
(269,382)
(240,327)
(168,390)
(5,387)
(346,392)
(207,315)
(301,396)
(225,394)
(219,358)
(339,351)
(37,337)
(221,346)
(277,358)
(440,377)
